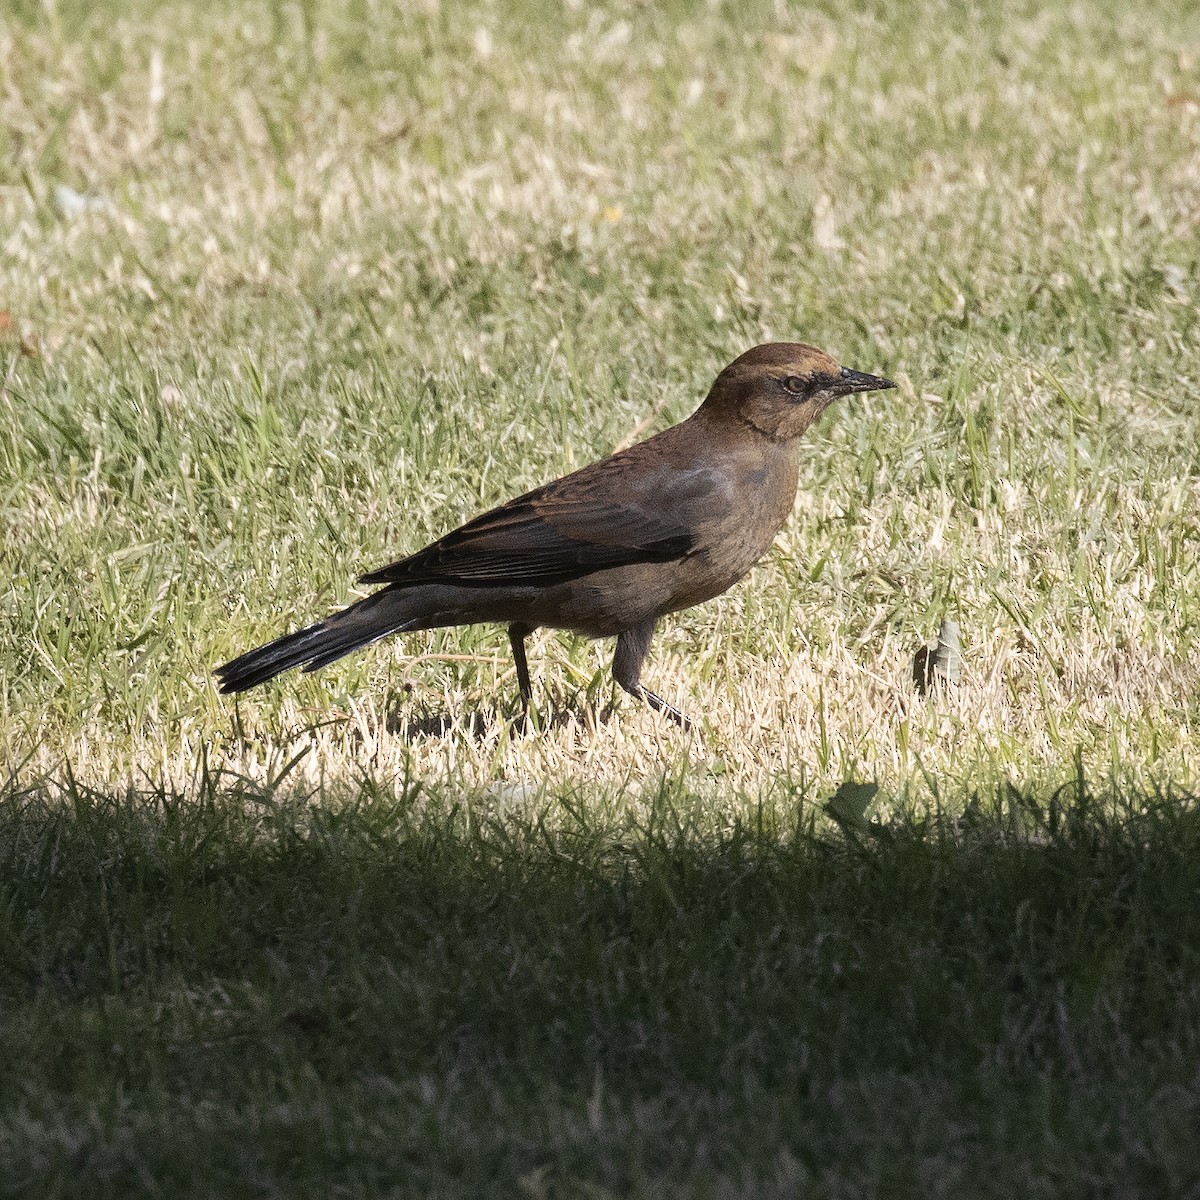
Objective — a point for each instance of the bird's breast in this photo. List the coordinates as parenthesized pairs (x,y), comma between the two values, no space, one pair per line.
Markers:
(728,547)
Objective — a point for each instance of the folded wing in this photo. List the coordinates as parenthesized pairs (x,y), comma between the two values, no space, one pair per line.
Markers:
(549,536)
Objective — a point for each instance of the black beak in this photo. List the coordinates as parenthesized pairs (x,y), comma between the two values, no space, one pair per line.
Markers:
(860,381)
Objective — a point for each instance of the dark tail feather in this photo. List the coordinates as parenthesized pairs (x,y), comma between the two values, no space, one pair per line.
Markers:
(349,641)
(314,647)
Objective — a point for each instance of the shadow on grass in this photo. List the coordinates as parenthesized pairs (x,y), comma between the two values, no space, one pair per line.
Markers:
(399,989)
(478,723)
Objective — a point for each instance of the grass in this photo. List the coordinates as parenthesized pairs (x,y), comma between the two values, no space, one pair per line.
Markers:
(369,270)
(402,996)
(350,273)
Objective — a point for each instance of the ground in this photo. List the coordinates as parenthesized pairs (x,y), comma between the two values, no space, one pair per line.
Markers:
(287,290)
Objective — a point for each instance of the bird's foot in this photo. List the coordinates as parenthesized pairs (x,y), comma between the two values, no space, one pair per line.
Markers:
(667,709)
(526,722)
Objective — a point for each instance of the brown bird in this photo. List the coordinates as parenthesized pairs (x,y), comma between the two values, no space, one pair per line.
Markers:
(610,548)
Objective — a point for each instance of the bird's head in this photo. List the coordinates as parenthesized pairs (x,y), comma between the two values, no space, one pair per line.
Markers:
(782,387)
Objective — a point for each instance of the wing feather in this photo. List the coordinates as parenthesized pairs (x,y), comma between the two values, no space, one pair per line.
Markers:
(548,536)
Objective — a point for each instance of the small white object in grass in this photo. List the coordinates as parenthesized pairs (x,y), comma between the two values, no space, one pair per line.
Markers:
(71,203)
(825,225)
(1175,277)
(157,90)
(514,793)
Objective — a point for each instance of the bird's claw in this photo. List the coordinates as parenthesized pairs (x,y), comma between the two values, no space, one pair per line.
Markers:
(667,709)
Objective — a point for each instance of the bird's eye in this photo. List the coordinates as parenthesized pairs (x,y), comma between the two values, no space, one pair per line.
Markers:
(795,385)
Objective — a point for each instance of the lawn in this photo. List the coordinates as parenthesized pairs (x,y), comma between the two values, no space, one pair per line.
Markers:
(287,290)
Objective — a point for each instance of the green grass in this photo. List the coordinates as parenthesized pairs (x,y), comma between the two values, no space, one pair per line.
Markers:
(372,268)
(359,270)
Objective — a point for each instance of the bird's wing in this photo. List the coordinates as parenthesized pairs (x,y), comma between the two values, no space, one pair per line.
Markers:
(562,531)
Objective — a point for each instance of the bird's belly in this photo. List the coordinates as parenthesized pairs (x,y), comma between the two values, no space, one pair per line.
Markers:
(604,604)
(706,574)
(607,602)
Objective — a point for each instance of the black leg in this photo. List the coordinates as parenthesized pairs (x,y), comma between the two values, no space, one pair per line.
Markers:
(632,647)
(517,634)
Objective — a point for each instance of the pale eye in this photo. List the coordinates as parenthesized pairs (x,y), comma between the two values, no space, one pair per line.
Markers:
(795,385)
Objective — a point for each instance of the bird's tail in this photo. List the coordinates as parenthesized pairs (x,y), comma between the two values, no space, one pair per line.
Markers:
(318,645)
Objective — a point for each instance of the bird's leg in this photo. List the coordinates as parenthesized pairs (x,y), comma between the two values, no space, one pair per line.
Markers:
(632,647)
(517,633)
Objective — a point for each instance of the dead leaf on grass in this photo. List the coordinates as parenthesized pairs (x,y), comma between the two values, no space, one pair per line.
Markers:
(13,334)
(940,661)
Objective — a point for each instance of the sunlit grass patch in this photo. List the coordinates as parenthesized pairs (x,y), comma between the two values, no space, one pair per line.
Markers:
(351,283)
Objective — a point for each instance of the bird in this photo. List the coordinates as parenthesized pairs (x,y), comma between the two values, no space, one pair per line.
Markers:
(609,549)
